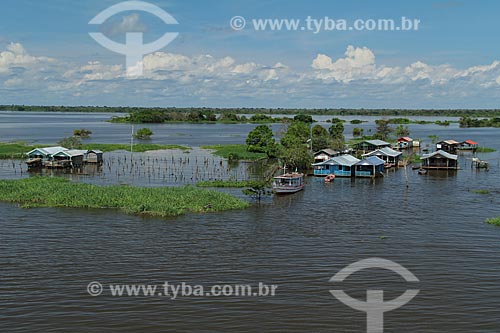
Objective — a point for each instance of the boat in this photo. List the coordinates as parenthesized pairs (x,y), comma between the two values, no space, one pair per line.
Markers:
(422,171)
(288,183)
(329,178)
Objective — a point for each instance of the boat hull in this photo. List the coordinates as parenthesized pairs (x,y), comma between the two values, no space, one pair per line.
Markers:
(287,190)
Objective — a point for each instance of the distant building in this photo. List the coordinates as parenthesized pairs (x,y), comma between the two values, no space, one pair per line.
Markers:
(369,167)
(405,142)
(93,156)
(370,145)
(340,166)
(390,156)
(439,160)
(449,146)
(325,154)
(468,145)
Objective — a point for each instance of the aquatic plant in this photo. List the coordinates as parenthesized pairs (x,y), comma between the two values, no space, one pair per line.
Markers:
(481,191)
(494,221)
(485,150)
(235,151)
(225,183)
(159,201)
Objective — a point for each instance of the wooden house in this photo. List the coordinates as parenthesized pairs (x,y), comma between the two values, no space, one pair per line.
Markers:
(340,166)
(324,155)
(439,160)
(468,145)
(65,159)
(390,156)
(371,166)
(405,142)
(93,156)
(370,145)
(449,146)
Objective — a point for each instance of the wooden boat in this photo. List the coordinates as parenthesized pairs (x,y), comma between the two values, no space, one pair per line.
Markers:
(288,183)
(329,178)
(422,171)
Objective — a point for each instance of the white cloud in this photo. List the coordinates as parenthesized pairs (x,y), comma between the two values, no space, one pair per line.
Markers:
(177,79)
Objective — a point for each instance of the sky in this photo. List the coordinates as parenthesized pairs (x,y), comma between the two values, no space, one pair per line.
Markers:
(452,60)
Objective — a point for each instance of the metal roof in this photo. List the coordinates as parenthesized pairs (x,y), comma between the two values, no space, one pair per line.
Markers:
(450,142)
(49,150)
(71,153)
(97,151)
(442,153)
(327,151)
(377,142)
(405,138)
(385,151)
(372,160)
(470,142)
(346,159)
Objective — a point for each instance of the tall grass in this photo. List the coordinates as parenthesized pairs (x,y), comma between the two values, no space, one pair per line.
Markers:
(226,183)
(163,202)
(235,151)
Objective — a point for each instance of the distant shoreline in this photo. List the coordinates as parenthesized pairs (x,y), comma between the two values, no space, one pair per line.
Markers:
(267,111)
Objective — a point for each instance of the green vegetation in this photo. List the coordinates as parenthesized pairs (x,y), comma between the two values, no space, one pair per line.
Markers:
(398,121)
(402,130)
(485,150)
(383,129)
(14,150)
(288,111)
(235,152)
(143,134)
(258,189)
(261,140)
(226,183)
(17,150)
(356,132)
(481,191)
(82,133)
(71,142)
(494,221)
(357,121)
(161,201)
(474,122)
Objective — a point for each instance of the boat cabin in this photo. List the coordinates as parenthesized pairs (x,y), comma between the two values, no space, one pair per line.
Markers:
(288,183)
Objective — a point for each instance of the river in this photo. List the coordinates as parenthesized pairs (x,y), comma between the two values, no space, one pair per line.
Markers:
(435,228)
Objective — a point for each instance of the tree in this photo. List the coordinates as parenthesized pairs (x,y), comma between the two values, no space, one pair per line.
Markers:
(320,138)
(305,118)
(71,142)
(258,189)
(356,131)
(297,134)
(260,139)
(337,134)
(402,130)
(82,133)
(298,157)
(383,129)
(143,134)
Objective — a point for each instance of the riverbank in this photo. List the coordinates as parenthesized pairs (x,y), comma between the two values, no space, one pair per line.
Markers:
(235,152)
(157,201)
(267,111)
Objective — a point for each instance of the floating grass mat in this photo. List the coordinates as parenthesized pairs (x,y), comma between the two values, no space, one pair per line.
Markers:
(162,202)
(235,152)
(494,221)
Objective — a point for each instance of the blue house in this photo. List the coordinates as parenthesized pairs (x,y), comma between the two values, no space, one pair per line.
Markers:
(369,167)
(341,166)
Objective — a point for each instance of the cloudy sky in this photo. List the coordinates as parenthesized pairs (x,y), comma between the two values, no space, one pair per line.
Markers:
(451,61)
